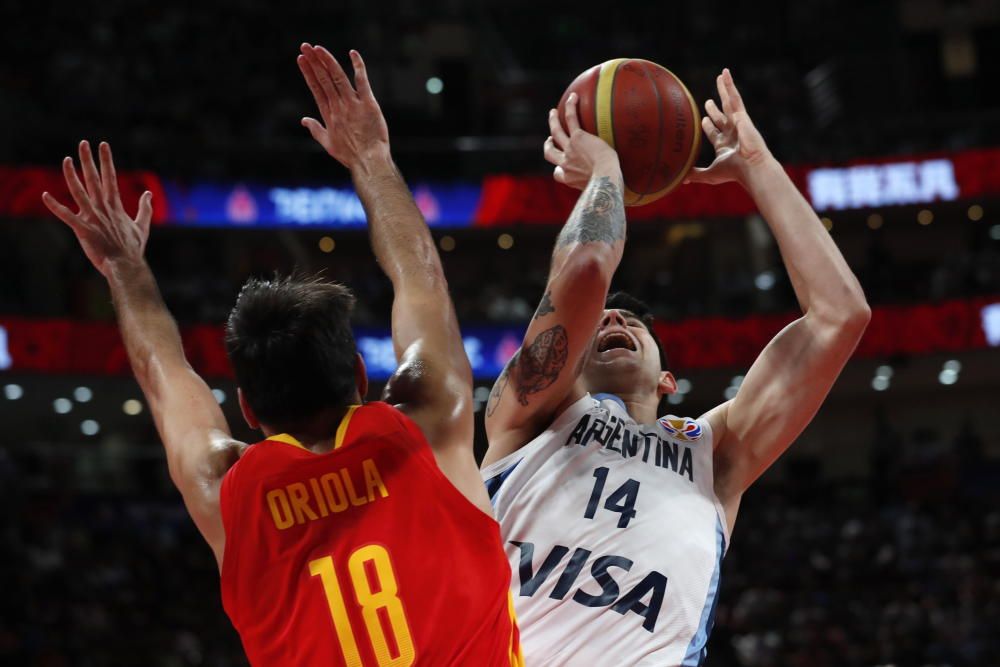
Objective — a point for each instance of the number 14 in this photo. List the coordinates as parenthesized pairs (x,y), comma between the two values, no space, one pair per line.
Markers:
(622,500)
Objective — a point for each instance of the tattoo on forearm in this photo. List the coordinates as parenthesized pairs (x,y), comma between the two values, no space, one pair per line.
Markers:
(599,215)
(545,306)
(540,363)
(533,368)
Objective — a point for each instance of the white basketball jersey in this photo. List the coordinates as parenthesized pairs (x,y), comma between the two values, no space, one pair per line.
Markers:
(615,537)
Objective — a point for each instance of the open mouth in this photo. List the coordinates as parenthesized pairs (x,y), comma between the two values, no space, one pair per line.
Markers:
(616,341)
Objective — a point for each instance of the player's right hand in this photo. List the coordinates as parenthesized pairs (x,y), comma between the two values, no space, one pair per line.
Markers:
(575,152)
(353,127)
(104,229)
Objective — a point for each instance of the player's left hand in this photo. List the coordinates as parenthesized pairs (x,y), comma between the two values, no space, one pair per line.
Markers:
(353,127)
(739,147)
(104,229)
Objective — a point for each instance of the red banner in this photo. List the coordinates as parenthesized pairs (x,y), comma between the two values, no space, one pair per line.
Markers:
(78,348)
(863,183)
(951,326)
(21,191)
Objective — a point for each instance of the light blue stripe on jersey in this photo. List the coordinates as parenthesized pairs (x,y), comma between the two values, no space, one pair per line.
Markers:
(494,483)
(611,397)
(697,649)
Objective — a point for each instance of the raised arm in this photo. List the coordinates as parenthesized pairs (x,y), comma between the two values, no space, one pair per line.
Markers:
(433,384)
(540,378)
(194,431)
(790,379)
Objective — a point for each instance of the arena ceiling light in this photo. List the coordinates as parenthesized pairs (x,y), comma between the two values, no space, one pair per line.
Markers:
(12,392)
(949,372)
(765,280)
(90,427)
(132,407)
(62,405)
(83,394)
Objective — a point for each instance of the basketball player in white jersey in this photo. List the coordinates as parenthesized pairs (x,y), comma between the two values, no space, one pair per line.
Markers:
(614,518)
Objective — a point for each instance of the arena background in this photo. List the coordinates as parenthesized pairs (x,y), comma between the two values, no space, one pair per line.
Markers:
(874,541)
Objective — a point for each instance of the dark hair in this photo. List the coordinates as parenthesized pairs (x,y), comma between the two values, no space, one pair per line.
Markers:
(627,302)
(291,346)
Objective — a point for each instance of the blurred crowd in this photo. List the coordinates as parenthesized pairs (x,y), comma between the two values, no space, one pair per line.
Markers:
(213,91)
(818,574)
(711,272)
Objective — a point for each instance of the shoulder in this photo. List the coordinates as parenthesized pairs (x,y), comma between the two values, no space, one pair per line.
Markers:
(717,419)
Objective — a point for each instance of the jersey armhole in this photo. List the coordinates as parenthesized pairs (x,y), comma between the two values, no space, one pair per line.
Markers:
(719,509)
(229,510)
(574,411)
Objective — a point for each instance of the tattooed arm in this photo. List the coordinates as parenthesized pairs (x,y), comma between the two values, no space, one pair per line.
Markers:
(539,380)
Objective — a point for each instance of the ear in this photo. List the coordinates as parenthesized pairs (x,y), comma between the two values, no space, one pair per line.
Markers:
(666,385)
(248,415)
(360,376)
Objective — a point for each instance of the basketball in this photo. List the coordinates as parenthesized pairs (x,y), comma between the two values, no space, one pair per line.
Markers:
(647,114)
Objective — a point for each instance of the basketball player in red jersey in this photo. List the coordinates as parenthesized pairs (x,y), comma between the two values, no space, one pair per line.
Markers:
(354,534)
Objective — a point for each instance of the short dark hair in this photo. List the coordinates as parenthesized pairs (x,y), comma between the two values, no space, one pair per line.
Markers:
(290,342)
(627,302)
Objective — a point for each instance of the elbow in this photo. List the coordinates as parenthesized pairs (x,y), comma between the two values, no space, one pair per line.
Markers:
(857,314)
(593,265)
(849,319)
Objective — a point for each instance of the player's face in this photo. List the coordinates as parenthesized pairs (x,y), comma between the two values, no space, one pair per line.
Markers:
(623,357)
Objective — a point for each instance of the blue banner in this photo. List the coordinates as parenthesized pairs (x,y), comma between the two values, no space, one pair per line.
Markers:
(488,350)
(257,206)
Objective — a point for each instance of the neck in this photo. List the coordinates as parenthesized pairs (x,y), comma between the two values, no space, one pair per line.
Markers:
(315,433)
(640,407)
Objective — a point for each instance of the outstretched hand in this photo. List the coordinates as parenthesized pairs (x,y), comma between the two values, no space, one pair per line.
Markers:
(738,145)
(353,126)
(102,226)
(574,151)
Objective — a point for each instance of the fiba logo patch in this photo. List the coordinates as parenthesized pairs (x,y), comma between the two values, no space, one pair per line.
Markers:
(683,429)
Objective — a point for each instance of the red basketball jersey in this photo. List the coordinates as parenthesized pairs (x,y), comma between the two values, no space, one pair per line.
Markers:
(364,555)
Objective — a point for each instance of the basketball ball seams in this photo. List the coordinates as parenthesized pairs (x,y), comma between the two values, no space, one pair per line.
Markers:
(695,129)
(659,130)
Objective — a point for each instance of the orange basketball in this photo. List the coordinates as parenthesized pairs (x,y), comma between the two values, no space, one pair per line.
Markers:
(646,114)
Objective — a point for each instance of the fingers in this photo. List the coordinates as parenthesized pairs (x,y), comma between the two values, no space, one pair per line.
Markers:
(723,95)
(145,214)
(305,66)
(76,189)
(91,178)
(712,132)
(716,115)
(361,76)
(323,80)
(316,129)
(572,119)
(735,99)
(109,178)
(560,175)
(59,210)
(556,130)
(552,154)
(336,73)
